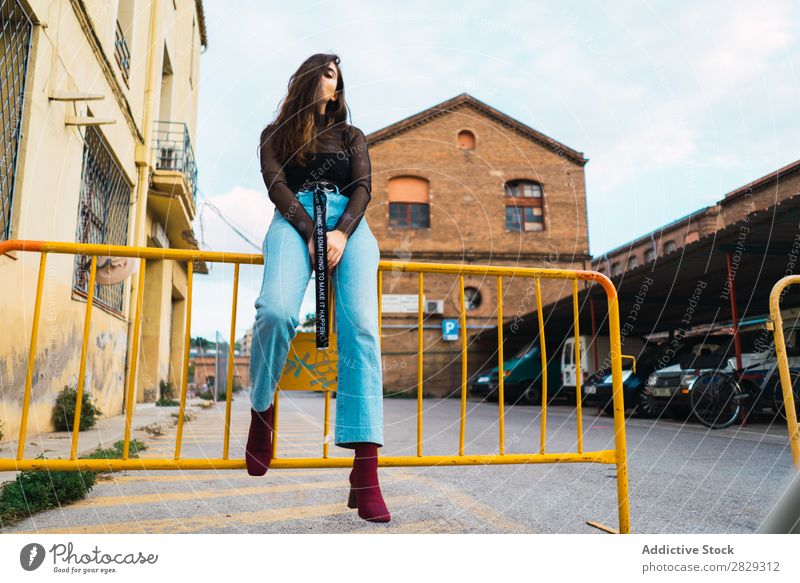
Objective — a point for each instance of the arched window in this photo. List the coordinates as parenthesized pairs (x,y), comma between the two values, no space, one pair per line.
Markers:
(649,254)
(669,246)
(524,206)
(616,269)
(633,262)
(409,202)
(466,140)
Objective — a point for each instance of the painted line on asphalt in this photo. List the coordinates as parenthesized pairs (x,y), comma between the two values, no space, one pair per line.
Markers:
(197,523)
(108,501)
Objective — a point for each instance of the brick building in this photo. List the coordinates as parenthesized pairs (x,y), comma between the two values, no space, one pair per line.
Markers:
(464,183)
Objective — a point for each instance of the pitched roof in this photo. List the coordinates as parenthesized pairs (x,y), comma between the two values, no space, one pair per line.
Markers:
(467,100)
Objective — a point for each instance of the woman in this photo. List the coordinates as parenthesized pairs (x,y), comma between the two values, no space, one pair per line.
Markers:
(309,147)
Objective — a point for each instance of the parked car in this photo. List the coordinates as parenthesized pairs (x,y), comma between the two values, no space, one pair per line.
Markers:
(594,355)
(668,386)
(598,388)
(522,380)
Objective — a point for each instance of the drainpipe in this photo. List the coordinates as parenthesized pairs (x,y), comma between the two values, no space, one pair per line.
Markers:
(142,157)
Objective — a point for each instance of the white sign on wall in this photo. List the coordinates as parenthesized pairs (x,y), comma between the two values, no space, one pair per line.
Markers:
(400,303)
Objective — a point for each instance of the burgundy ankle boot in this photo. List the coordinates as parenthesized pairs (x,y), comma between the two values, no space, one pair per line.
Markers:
(258,453)
(365,492)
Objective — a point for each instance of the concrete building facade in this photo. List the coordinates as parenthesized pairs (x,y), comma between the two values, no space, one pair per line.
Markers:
(99,106)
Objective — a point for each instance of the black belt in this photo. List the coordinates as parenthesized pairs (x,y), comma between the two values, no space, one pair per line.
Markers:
(321,191)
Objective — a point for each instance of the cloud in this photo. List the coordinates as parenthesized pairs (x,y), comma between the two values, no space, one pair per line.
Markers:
(673,103)
(248,210)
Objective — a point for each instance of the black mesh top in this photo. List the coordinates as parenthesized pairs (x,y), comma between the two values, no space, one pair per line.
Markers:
(341,157)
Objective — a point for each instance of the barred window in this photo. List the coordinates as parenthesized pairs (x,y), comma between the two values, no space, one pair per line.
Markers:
(102,214)
(15,39)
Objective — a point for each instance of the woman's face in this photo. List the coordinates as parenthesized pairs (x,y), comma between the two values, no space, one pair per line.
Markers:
(330,77)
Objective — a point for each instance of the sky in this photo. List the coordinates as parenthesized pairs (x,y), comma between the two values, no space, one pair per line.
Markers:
(673,103)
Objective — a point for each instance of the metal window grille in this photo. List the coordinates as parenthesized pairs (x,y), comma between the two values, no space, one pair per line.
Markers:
(174,151)
(102,214)
(15,46)
(122,54)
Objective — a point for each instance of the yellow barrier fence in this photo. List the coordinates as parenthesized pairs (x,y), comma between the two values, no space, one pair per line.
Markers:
(776,322)
(616,456)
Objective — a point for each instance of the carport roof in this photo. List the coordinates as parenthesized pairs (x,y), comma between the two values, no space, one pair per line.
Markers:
(689,286)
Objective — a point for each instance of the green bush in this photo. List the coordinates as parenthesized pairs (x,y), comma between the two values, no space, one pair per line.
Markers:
(167,395)
(37,490)
(237,384)
(64,410)
(115,452)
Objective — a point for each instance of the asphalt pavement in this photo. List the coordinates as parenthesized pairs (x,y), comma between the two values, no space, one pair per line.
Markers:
(683,478)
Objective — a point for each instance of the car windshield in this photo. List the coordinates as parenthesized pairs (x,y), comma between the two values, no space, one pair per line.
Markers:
(525,350)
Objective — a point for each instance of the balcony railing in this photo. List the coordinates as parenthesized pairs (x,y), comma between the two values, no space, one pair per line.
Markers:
(174,151)
(122,54)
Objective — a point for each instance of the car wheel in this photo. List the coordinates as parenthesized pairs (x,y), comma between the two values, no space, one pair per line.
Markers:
(532,395)
(643,406)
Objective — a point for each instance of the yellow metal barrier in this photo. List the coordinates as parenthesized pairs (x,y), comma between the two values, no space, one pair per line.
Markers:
(776,322)
(616,456)
(633,361)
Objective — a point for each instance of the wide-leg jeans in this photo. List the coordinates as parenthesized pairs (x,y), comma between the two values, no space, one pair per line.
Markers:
(287,271)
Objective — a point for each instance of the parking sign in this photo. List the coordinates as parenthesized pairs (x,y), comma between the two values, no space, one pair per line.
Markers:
(450,329)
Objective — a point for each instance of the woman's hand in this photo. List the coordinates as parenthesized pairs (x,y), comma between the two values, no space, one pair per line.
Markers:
(336,242)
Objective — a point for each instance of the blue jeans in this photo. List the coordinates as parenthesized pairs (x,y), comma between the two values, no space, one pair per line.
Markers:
(287,271)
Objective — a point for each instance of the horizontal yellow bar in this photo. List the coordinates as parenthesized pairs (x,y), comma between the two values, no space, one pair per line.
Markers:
(601,457)
(258,259)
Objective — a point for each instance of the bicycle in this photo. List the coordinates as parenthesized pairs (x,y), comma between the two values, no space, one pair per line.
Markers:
(717,398)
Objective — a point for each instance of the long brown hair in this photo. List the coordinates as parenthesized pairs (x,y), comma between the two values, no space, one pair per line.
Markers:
(294,131)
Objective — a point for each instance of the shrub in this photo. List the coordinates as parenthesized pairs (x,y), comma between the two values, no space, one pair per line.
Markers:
(64,410)
(37,490)
(115,452)
(187,416)
(237,385)
(167,395)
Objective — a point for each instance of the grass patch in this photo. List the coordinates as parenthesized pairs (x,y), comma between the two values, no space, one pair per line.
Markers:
(38,490)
